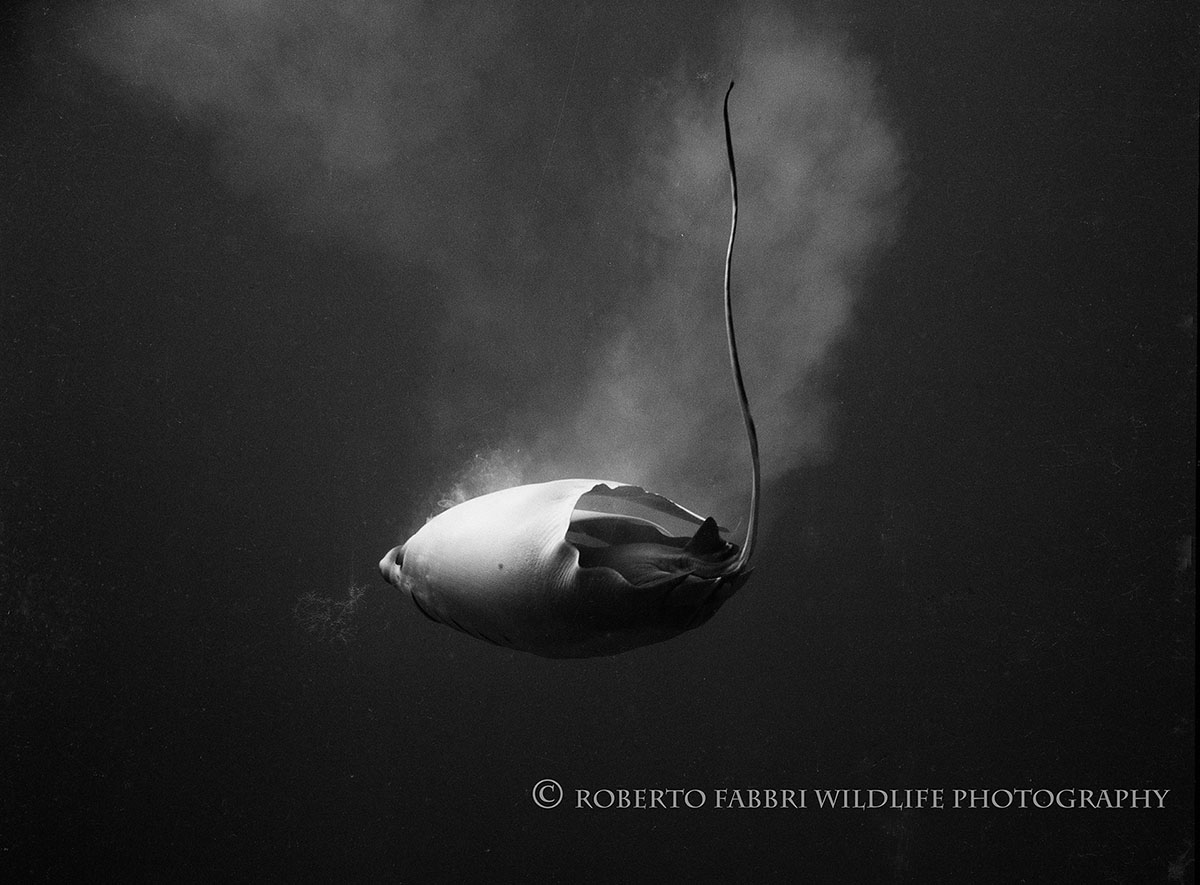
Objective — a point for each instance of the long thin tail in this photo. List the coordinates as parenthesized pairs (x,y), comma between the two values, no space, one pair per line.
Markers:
(751,434)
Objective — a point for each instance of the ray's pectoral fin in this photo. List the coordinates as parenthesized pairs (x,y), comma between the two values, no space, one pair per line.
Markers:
(606,529)
(644,564)
(666,562)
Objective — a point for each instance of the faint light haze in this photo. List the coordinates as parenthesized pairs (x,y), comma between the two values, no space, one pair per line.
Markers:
(388,124)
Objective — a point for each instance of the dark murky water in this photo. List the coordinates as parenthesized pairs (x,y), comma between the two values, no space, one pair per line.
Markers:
(217,411)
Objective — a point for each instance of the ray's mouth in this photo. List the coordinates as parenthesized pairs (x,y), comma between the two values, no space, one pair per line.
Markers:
(391,564)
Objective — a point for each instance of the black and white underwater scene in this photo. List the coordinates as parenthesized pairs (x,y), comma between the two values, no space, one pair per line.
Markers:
(377,501)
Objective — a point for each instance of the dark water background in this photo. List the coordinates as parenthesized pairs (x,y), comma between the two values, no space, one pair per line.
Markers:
(988,584)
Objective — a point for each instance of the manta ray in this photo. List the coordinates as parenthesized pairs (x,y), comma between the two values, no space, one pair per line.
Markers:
(578,568)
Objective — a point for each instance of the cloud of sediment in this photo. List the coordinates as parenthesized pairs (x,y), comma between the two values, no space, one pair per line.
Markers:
(360,116)
(818,171)
(396,124)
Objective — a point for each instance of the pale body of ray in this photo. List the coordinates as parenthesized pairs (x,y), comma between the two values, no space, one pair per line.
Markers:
(524,568)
